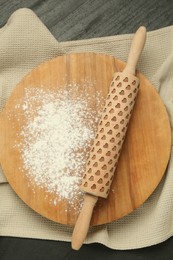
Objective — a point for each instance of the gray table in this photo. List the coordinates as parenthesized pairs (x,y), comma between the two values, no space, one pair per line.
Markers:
(83,19)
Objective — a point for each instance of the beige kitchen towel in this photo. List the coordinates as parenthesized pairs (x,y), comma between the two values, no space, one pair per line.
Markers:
(24,43)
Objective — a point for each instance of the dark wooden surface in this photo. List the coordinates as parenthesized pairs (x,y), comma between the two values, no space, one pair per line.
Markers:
(83,19)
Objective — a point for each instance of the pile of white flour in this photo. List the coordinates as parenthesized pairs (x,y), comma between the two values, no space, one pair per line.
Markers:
(58,131)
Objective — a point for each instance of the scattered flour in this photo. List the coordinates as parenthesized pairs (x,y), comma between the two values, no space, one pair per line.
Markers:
(57,134)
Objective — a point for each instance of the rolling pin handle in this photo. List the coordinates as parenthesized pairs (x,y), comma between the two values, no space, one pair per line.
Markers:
(83,222)
(137,46)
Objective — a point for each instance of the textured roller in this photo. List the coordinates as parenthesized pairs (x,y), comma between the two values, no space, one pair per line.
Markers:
(110,135)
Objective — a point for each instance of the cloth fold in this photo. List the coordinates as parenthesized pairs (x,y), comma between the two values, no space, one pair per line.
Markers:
(25,42)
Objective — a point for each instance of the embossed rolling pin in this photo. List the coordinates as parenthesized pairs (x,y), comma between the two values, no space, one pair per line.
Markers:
(109,138)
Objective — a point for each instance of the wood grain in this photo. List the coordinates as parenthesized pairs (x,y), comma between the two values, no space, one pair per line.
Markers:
(72,20)
(145,151)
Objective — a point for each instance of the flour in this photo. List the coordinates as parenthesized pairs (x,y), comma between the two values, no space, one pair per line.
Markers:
(57,135)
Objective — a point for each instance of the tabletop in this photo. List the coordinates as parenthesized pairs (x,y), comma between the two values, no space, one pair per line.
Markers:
(84,19)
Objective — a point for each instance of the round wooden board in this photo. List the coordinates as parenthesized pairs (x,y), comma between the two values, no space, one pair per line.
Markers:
(145,152)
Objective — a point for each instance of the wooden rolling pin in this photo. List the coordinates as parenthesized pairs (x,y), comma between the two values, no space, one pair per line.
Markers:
(109,138)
